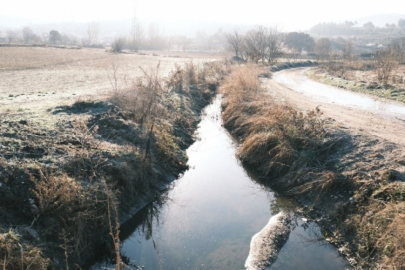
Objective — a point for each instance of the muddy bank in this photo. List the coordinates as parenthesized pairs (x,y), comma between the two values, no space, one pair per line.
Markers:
(70,176)
(337,175)
(265,244)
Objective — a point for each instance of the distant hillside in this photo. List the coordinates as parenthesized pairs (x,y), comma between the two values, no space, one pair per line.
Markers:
(381,19)
(119,27)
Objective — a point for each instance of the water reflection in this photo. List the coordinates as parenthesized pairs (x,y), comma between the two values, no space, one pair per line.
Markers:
(208,217)
(307,249)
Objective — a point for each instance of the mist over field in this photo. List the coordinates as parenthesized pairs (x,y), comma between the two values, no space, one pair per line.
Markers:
(191,134)
(182,17)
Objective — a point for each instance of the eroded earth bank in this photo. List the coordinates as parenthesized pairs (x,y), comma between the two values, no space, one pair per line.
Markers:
(340,154)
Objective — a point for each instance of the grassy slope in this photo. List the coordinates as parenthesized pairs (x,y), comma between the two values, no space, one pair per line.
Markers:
(348,184)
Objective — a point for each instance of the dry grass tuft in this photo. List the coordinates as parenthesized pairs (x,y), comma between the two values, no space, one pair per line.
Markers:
(280,142)
(77,209)
(380,235)
(16,254)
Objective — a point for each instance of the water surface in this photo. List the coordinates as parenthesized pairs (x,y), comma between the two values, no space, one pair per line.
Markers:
(208,217)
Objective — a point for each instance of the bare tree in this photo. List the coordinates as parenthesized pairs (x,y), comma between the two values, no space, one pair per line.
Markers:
(348,51)
(385,63)
(236,41)
(323,48)
(156,40)
(263,43)
(274,43)
(12,36)
(256,43)
(28,35)
(398,46)
(347,58)
(93,30)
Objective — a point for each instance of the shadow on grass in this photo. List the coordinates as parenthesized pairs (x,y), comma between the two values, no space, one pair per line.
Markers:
(113,125)
(84,107)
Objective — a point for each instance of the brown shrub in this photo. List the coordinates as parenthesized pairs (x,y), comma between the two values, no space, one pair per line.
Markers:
(77,209)
(17,254)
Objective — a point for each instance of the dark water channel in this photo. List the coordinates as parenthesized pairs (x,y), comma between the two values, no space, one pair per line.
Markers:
(208,216)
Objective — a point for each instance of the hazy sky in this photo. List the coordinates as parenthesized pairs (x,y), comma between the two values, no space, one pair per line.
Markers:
(288,14)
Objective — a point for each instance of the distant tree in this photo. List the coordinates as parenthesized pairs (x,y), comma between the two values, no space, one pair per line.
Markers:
(274,41)
(28,35)
(65,39)
(338,43)
(118,44)
(54,36)
(398,47)
(93,30)
(256,44)
(401,23)
(385,63)
(323,48)
(336,29)
(348,51)
(185,43)
(263,43)
(349,23)
(297,42)
(156,40)
(369,25)
(12,36)
(236,42)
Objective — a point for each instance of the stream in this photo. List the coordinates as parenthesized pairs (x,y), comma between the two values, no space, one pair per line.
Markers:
(207,218)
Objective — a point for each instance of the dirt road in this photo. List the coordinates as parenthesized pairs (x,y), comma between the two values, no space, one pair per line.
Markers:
(357,112)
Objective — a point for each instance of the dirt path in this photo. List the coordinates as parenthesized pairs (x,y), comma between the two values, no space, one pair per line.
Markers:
(357,112)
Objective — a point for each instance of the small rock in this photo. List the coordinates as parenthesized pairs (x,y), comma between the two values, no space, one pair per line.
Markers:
(23,122)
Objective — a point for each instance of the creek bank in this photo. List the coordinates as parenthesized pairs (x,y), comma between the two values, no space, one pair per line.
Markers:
(90,164)
(337,176)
